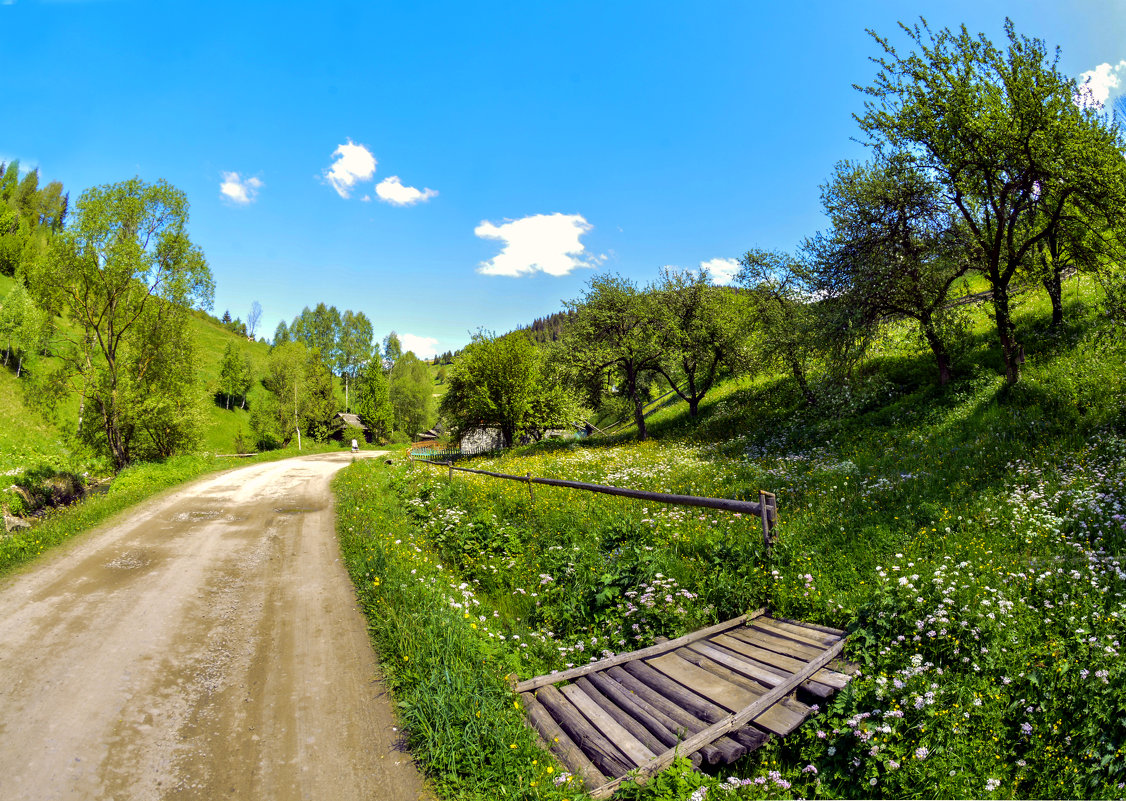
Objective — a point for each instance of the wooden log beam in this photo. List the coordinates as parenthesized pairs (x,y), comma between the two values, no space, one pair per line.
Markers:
(615,732)
(598,749)
(662,728)
(652,650)
(723,504)
(623,717)
(767,675)
(561,745)
(720,751)
(730,722)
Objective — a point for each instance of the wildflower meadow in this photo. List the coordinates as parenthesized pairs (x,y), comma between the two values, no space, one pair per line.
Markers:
(970,542)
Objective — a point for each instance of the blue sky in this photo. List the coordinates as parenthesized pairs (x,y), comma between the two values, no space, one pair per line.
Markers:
(449,166)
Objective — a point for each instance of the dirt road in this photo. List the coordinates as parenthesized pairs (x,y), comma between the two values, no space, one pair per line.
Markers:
(205,646)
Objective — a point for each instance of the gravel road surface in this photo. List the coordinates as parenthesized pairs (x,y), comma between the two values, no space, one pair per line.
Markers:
(205,645)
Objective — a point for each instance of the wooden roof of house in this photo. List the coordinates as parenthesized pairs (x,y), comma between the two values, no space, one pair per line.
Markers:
(352,420)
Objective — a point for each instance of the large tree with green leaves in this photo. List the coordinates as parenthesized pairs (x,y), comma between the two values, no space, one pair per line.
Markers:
(411,393)
(392,350)
(613,339)
(782,315)
(319,329)
(23,327)
(894,250)
(235,374)
(373,400)
(277,419)
(353,348)
(1000,131)
(125,273)
(500,381)
(697,330)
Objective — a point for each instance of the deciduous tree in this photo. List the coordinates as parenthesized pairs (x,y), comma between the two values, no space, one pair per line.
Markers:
(22,327)
(235,374)
(353,347)
(782,315)
(125,273)
(697,330)
(373,401)
(494,382)
(894,249)
(411,394)
(612,336)
(1001,132)
(252,318)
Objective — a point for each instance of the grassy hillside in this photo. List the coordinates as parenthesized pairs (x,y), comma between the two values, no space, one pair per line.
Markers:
(31,438)
(970,539)
(222,424)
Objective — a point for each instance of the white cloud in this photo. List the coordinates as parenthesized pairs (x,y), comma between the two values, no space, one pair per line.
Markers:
(1096,86)
(354,163)
(722,271)
(422,347)
(545,242)
(391,190)
(242,191)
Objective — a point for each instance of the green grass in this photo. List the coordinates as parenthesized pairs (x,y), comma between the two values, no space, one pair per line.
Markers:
(969,538)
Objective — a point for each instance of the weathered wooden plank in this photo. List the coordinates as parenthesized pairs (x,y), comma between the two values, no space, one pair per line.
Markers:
(764,674)
(720,692)
(659,648)
(781,661)
(780,719)
(693,702)
(722,750)
(561,744)
(631,717)
(816,626)
(615,732)
(661,728)
(598,749)
(728,696)
(812,637)
(767,639)
(733,721)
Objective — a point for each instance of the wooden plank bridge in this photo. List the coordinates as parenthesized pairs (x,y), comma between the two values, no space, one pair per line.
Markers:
(715,695)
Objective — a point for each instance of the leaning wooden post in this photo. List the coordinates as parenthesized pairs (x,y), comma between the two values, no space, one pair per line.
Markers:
(450,465)
(531,492)
(766,507)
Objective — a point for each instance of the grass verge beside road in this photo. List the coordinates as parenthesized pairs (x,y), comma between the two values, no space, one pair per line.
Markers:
(463,727)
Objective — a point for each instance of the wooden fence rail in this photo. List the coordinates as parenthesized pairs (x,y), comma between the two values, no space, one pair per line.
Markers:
(766,500)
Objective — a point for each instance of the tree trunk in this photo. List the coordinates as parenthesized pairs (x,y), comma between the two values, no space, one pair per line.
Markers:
(243,406)
(803,385)
(296,425)
(638,404)
(1054,284)
(1011,351)
(938,348)
(118,449)
(227,395)
(19,369)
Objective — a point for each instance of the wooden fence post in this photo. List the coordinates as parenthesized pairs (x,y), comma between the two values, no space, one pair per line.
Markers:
(531,492)
(768,506)
(450,465)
